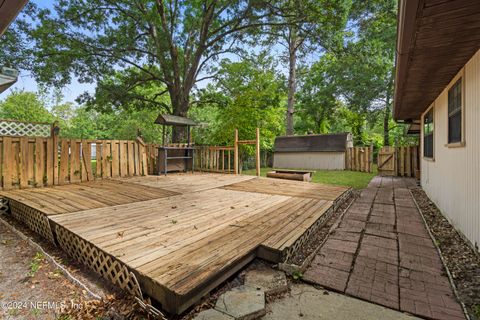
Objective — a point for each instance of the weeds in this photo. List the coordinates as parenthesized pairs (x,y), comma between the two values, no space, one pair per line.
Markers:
(35,264)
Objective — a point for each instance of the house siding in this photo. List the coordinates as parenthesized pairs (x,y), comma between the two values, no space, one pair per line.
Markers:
(452,179)
(310,160)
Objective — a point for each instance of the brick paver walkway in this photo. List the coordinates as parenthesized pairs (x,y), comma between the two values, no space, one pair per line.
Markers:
(382,252)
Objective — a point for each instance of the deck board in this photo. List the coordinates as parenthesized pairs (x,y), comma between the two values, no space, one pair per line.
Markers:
(289,188)
(84,196)
(185,233)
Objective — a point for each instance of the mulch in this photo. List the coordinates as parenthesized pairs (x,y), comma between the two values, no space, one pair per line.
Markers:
(461,259)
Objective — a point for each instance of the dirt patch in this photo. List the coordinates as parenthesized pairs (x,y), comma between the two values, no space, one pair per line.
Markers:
(32,287)
(462,261)
(318,237)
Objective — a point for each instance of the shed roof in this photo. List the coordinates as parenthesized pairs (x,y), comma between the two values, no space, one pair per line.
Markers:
(335,142)
(435,39)
(171,120)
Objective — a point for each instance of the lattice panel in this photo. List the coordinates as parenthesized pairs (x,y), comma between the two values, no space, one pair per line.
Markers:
(22,129)
(288,254)
(307,234)
(102,263)
(3,205)
(34,219)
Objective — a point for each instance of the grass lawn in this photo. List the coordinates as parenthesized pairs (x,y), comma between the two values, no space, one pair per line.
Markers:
(357,180)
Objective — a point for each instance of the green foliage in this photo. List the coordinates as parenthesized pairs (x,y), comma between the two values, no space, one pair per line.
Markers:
(123,124)
(35,264)
(317,101)
(24,106)
(82,122)
(127,90)
(351,87)
(246,95)
(297,275)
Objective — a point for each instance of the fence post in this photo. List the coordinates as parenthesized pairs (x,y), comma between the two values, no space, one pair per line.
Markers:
(370,160)
(54,137)
(235,153)
(257,151)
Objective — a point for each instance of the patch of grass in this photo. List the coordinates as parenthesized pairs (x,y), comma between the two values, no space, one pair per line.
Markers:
(355,179)
(35,264)
(35,312)
(476,310)
(13,312)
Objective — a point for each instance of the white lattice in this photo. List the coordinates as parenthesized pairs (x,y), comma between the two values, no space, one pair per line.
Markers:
(3,205)
(19,129)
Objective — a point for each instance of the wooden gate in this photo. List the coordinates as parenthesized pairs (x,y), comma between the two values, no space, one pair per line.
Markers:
(386,161)
(399,161)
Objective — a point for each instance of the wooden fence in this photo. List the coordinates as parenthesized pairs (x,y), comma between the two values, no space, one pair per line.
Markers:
(215,159)
(35,162)
(359,159)
(221,159)
(399,161)
(207,158)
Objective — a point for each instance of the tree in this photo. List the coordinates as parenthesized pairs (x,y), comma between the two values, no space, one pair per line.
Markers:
(247,94)
(15,42)
(25,106)
(311,25)
(365,68)
(167,42)
(317,100)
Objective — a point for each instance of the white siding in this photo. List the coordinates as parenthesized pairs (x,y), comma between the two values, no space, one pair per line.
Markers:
(309,160)
(452,179)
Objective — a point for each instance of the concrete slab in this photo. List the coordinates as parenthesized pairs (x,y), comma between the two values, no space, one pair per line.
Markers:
(304,302)
(268,280)
(242,303)
(212,314)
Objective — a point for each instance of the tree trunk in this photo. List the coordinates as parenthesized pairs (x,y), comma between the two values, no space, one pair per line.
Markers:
(292,80)
(386,115)
(180,105)
(386,129)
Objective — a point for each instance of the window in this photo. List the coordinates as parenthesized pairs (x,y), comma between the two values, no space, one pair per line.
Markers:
(455,112)
(428,134)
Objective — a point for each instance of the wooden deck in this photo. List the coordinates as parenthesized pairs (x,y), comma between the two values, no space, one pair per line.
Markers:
(181,235)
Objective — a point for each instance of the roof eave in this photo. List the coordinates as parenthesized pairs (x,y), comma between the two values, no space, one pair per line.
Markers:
(407,13)
(9,11)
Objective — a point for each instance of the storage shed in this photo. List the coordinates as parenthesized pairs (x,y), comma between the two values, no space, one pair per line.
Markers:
(315,151)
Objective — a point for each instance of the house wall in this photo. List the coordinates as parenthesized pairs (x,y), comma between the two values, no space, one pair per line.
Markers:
(452,178)
(309,160)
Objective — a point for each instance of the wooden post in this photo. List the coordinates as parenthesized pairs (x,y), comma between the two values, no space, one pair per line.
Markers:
(54,136)
(235,153)
(370,160)
(8,163)
(257,151)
